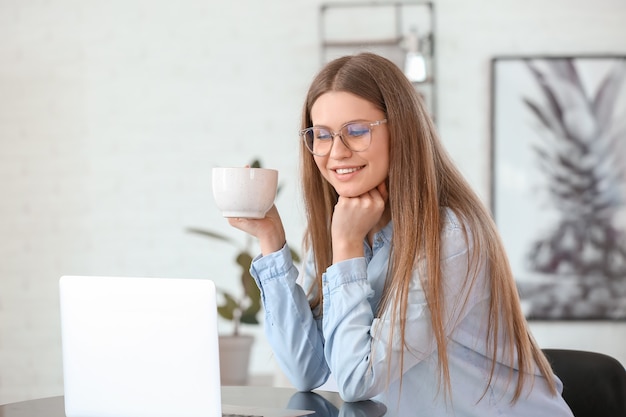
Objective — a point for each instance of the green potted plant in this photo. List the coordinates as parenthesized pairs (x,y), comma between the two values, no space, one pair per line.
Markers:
(235,348)
(242,308)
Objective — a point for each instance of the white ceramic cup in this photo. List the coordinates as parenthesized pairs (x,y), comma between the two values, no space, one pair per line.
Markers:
(244,192)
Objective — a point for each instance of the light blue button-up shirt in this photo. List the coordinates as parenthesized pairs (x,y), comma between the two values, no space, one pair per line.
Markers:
(353,344)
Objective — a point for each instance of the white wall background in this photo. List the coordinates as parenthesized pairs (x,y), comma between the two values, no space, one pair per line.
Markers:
(113,113)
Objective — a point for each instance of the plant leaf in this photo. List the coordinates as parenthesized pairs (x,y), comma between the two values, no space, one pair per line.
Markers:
(247,281)
(607,94)
(227,310)
(565,69)
(294,255)
(553,103)
(546,118)
(208,233)
(249,315)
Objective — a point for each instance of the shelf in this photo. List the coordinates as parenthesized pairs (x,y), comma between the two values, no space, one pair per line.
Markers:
(370,42)
(384,29)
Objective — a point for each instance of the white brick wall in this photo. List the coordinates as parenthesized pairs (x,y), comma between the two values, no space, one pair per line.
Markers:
(112,114)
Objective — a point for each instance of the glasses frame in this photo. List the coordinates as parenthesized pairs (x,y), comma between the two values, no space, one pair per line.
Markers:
(371,125)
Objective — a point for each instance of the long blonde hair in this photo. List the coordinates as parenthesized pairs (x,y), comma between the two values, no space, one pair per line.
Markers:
(422,180)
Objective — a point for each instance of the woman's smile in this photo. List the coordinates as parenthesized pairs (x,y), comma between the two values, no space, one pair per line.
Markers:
(346,170)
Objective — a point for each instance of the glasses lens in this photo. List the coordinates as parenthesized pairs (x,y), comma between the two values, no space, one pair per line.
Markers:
(318,140)
(357,136)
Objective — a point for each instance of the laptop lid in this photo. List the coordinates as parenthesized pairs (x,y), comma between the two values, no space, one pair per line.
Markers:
(139,347)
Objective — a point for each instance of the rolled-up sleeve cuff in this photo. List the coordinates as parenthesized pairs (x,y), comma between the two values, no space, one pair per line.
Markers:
(272,265)
(344,272)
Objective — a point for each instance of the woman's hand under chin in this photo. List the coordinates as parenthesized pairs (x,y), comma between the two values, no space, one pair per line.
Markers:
(354,218)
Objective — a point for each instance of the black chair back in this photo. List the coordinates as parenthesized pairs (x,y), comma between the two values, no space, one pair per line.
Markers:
(594,384)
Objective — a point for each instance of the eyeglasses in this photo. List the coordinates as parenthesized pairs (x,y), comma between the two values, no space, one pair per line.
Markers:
(356,136)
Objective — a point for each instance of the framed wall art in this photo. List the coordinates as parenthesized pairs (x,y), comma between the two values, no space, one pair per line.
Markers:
(558,193)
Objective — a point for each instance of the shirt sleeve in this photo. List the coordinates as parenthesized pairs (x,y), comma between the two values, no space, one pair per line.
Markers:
(293,332)
(358,344)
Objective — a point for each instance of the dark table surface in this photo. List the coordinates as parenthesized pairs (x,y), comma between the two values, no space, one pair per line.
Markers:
(324,403)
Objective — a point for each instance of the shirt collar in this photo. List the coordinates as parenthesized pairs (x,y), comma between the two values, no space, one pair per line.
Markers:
(385,233)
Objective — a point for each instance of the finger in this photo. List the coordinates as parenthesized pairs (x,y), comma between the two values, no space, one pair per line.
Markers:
(236,221)
(382,189)
(375,194)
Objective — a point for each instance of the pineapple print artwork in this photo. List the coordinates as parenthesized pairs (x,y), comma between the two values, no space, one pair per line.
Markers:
(581,138)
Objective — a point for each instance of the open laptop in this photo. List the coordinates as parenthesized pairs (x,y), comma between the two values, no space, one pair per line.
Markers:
(143,347)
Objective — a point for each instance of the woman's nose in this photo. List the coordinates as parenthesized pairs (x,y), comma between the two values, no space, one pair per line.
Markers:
(339,149)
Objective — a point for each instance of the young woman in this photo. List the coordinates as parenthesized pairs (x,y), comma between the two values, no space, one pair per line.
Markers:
(407,296)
